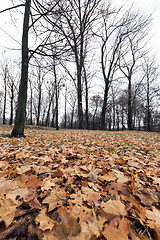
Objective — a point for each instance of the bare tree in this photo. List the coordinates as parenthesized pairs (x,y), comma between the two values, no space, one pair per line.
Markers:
(114,31)
(18,129)
(118,26)
(5,76)
(96,102)
(132,50)
(12,92)
(39,11)
(74,20)
(151,88)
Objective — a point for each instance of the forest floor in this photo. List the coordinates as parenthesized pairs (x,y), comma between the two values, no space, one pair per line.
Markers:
(79,185)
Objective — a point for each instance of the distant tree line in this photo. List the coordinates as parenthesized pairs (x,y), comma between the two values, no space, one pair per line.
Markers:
(85,64)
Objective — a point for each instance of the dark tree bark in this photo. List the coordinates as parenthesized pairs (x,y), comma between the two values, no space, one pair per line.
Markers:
(108,74)
(65,109)
(18,129)
(31,103)
(5,99)
(12,99)
(50,99)
(56,95)
(86,98)
(129,121)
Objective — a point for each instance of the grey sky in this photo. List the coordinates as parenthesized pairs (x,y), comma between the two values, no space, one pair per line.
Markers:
(147,6)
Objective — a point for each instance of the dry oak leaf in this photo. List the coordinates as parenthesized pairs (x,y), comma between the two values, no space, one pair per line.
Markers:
(93,199)
(121,178)
(89,227)
(46,223)
(8,206)
(121,161)
(134,163)
(155,216)
(48,235)
(33,182)
(112,211)
(7,185)
(147,196)
(22,155)
(45,160)
(133,182)
(116,187)
(134,209)
(3,165)
(68,228)
(23,169)
(58,173)
(121,232)
(55,199)
(110,176)
(47,184)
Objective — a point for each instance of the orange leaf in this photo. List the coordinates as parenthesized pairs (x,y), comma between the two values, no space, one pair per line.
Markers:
(133,182)
(121,161)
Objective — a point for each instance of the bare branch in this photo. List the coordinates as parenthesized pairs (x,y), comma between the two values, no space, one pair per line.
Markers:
(7,9)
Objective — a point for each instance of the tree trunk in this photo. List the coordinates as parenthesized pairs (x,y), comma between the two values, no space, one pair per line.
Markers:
(39,107)
(104,107)
(129,105)
(12,98)
(56,93)
(117,110)
(48,112)
(80,110)
(31,104)
(86,97)
(72,115)
(65,109)
(4,106)
(148,108)
(18,129)
(53,114)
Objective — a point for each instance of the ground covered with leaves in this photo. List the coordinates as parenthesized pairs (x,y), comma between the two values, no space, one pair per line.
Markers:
(79,185)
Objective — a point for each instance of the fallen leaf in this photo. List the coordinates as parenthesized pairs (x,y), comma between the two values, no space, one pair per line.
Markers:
(46,223)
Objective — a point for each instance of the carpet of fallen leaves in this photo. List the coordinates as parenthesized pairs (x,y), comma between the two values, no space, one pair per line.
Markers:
(79,185)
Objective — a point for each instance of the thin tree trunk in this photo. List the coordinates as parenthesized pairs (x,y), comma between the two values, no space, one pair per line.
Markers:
(86,97)
(48,112)
(18,129)
(4,106)
(31,104)
(39,107)
(56,93)
(12,98)
(53,114)
(129,105)
(80,110)
(104,107)
(72,117)
(148,108)
(65,109)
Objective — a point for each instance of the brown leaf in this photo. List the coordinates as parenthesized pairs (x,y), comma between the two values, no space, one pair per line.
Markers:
(57,173)
(155,216)
(55,200)
(121,161)
(46,223)
(133,182)
(33,182)
(8,206)
(68,227)
(120,232)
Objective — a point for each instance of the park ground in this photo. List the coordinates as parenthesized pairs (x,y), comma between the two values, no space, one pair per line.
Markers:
(79,185)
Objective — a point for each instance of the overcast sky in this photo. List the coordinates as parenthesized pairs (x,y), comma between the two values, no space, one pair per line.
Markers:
(11,40)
